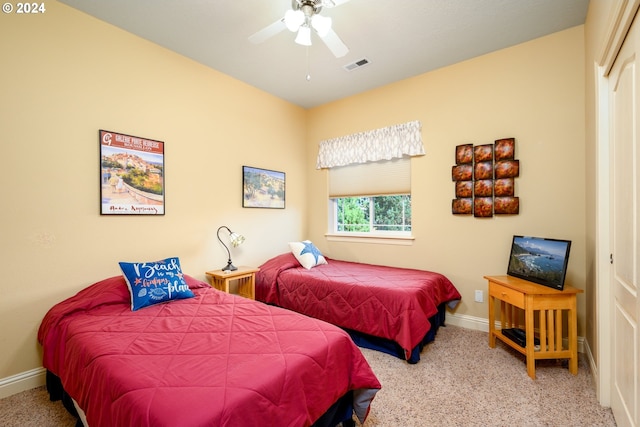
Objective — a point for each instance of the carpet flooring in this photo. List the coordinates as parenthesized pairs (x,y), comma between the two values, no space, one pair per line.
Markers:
(459,381)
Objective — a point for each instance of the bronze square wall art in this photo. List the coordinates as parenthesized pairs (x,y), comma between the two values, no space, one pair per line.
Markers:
(483,153)
(483,188)
(461,206)
(507,169)
(484,178)
(464,154)
(464,189)
(507,205)
(483,206)
(462,173)
(483,170)
(503,187)
(505,149)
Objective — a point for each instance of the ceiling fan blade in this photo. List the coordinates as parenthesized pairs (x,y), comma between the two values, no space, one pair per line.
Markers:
(333,3)
(268,31)
(335,44)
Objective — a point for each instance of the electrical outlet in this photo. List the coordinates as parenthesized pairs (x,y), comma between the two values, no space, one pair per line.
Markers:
(479,296)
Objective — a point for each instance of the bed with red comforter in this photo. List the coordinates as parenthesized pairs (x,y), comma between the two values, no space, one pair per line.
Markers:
(213,360)
(380,304)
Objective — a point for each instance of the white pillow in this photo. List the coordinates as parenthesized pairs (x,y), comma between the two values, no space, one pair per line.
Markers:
(307,254)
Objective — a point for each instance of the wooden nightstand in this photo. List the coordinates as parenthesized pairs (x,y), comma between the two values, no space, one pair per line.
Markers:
(542,312)
(244,276)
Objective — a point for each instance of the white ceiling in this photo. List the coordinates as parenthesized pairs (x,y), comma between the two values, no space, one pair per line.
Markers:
(399,38)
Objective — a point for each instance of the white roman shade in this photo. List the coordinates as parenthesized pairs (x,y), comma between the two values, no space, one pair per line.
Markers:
(371,179)
(388,143)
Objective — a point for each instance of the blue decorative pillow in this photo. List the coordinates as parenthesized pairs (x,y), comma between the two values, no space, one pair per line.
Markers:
(155,282)
(307,254)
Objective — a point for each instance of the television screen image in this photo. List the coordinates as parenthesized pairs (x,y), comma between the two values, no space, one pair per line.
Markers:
(540,260)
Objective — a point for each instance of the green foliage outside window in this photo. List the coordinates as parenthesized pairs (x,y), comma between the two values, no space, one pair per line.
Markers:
(370,214)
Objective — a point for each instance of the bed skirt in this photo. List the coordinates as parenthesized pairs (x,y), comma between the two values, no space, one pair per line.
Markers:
(57,392)
(392,347)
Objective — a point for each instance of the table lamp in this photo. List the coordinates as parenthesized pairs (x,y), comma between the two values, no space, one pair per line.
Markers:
(236,240)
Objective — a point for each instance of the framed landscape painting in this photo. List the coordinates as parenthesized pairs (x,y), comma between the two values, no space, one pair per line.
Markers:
(262,188)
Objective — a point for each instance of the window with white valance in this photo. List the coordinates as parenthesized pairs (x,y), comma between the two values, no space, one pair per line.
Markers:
(380,144)
(369,184)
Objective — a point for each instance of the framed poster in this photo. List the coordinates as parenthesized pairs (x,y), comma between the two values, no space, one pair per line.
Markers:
(131,175)
(262,188)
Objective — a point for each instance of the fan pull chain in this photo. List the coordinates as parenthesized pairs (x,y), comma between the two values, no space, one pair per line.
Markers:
(308,72)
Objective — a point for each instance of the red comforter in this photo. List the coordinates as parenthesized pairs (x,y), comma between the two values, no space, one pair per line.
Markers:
(213,360)
(386,302)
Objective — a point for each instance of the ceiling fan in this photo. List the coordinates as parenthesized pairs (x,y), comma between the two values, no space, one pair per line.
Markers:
(303,16)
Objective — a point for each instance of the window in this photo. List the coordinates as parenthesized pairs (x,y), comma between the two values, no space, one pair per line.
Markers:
(371,199)
(373,214)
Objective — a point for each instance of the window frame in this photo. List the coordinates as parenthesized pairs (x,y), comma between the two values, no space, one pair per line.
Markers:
(379,236)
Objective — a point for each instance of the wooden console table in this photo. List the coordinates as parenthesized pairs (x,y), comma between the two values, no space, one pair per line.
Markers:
(518,297)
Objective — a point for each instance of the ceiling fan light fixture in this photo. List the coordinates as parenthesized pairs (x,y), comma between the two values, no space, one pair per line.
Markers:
(293,19)
(322,24)
(304,36)
(300,19)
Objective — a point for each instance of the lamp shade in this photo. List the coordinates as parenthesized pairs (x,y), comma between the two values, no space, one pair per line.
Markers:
(304,36)
(293,19)
(236,239)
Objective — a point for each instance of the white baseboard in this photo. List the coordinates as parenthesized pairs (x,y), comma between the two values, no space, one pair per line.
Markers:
(594,370)
(482,324)
(22,382)
(468,322)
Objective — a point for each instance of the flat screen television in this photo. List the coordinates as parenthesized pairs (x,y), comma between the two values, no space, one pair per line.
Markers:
(540,260)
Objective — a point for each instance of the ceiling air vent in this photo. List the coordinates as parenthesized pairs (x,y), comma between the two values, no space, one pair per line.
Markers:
(360,63)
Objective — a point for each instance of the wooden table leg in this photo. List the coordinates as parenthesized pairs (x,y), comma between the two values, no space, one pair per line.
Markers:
(530,348)
(573,338)
(492,322)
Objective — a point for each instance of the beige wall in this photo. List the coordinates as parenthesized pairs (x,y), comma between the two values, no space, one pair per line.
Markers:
(64,76)
(71,75)
(533,92)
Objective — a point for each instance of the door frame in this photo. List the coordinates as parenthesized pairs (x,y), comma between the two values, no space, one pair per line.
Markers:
(619,24)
